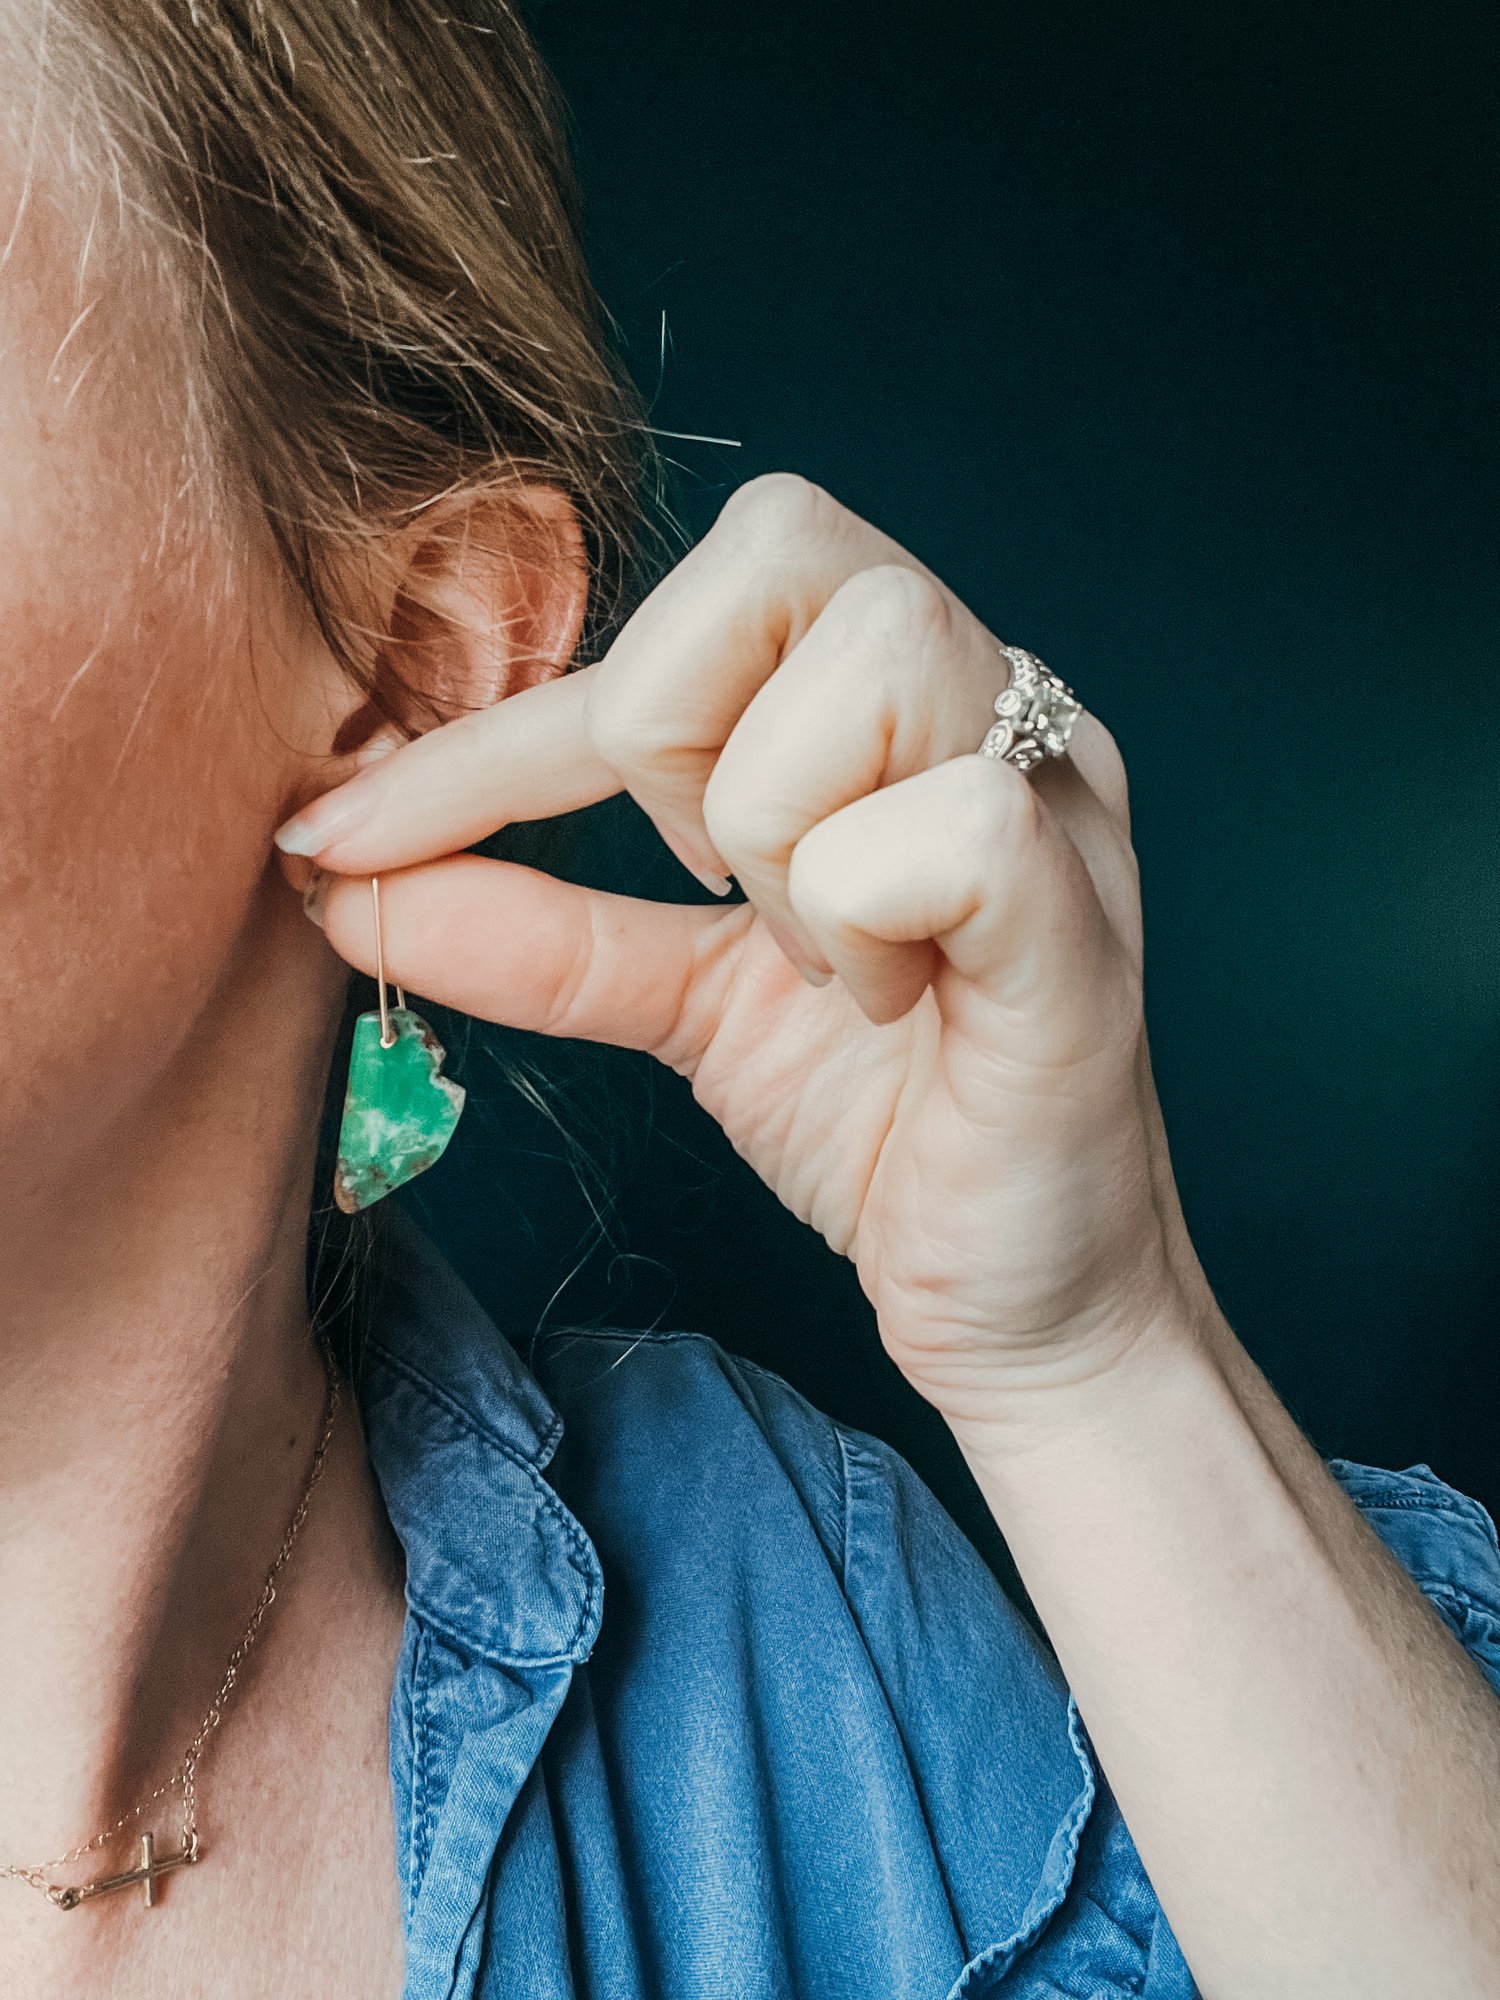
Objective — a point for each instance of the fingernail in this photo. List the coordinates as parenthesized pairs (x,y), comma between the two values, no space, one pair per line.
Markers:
(382,744)
(716,884)
(813,974)
(314,897)
(342,808)
(309,832)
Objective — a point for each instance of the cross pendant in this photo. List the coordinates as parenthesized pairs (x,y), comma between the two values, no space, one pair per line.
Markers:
(146,1874)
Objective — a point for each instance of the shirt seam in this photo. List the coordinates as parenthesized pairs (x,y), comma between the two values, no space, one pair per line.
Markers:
(399,1365)
(421,1833)
(1412,1503)
(1463,1604)
(660,1334)
(846,1504)
(1371,1490)
(874,1456)
(876,1468)
(781,1385)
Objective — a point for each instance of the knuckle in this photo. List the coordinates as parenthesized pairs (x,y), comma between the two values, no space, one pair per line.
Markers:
(567,995)
(779,508)
(834,880)
(994,806)
(820,891)
(736,817)
(890,602)
(1113,780)
(628,731)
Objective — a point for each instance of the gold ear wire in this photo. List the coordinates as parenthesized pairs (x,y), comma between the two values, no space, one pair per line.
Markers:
(399,1108)
(387,1032)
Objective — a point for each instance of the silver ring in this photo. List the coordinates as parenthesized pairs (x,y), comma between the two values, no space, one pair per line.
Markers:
(1037,713)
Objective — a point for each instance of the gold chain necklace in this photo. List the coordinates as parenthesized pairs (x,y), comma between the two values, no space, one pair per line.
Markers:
(185,1778)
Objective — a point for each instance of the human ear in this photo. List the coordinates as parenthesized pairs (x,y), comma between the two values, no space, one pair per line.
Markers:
(485,594)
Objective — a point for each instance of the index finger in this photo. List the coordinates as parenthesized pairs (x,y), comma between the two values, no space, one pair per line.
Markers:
(650,718)
(529,757)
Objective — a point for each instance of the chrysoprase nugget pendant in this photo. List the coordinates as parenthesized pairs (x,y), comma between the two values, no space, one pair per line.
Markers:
(399,1108)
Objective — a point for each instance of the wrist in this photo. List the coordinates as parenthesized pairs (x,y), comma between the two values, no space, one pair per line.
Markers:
(1119,1374)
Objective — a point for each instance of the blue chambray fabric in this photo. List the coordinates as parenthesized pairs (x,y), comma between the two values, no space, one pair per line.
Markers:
(703,1696)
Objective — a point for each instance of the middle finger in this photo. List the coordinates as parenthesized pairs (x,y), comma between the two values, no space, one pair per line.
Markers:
(893,677)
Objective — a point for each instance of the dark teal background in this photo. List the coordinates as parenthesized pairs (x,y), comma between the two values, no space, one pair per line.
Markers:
(1166,334)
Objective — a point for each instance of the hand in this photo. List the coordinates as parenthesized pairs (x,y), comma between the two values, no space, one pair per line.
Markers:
(965,1108)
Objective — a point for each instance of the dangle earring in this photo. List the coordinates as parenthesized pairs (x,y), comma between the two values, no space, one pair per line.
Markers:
(399,1108)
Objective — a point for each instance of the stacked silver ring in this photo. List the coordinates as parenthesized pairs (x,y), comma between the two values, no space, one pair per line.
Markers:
(1037,713)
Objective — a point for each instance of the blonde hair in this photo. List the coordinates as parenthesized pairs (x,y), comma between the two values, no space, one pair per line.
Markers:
(368,212)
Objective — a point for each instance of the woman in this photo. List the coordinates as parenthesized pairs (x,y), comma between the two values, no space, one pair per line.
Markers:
(625,1672)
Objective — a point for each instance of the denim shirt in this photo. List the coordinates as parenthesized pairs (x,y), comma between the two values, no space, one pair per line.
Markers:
(703,1696)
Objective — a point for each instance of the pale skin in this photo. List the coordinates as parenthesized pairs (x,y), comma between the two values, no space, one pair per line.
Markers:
(1310,1765)
(924,1030)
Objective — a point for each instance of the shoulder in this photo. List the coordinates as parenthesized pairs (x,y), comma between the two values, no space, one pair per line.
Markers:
(845,1682)
(682,1428)
(671,1429)
(674,1425)
(780,1578)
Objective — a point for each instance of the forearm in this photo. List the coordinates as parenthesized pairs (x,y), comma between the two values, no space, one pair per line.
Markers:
(1307,1760)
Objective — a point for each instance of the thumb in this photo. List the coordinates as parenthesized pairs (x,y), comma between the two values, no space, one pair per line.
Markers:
(514,945)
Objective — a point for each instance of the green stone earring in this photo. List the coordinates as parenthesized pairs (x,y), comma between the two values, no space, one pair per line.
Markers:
(399,1108)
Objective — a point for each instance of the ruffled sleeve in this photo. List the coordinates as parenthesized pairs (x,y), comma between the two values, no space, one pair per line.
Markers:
(1447,1542)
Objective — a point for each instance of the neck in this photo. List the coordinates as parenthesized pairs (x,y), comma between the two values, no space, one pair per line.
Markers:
(160,1398)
